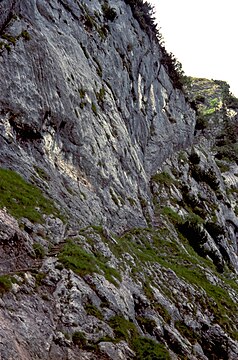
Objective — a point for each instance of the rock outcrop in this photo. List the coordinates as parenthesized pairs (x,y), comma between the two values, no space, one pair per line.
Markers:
(129,248)
(87,100)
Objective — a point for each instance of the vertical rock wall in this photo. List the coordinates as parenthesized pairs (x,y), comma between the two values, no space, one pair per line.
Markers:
(85,98)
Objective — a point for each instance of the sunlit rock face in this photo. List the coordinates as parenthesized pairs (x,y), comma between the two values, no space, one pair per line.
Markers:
(87,99)
(130,249)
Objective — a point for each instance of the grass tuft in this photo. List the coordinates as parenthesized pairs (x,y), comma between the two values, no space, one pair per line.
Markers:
(23,199)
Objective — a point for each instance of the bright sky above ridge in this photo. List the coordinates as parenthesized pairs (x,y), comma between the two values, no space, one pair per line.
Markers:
(203,36)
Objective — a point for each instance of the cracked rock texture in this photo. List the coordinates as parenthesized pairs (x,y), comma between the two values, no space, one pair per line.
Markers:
(140,259)
(94,112)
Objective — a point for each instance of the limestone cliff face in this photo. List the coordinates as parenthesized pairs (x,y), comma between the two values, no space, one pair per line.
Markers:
(86,99)
(129,251)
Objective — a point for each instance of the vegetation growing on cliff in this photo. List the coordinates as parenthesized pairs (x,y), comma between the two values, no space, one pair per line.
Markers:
(143,11)
(22,199)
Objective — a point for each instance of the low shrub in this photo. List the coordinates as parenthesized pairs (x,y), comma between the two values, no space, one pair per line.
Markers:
(201,122)
(214,229)
(207,176)
(194,158)
(109,13)
(228,153)
(190,199)
(148,349)
(93,311)
(94,109)
(148,325)
(163,312)
(186,331)
(41,172)
(192,229)
(39,250)
(145,349)
(79,339)
(163,178)
(100,95)
(39,277)
(223,167)
(5,283)
(25,35)
(172,215)
(89,21)
(82,93)
(123,329)
(11,39)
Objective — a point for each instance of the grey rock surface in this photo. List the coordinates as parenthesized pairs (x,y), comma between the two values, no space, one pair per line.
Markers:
(141,256)
(96,115)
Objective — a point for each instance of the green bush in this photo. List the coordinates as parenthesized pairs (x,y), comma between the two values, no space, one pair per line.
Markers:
(145,349)
(163,312)
(93,311)
(5,283)
(89,21)
(39,250)
(194,232)
(39,276)
(190,199)
(82,104)
(228,153)
(174,68)
(172,215)
(143,12)
(9,38)
(232,102)
(148,325)
(123,329)
(186,331)
(103,31)
(163,178)
(222,166)
(8,48)
(201,122)
(214,229)
(79,339)
(41,172)
(100,95)
(194,158)
(208,176)
(82,93)
(25,35)
(94,109)
(148,349)
(108,12)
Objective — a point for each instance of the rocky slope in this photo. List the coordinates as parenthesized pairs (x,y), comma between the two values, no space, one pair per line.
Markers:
(119,237)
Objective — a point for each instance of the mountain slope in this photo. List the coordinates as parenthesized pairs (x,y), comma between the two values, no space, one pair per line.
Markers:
(119,237)
(89,103)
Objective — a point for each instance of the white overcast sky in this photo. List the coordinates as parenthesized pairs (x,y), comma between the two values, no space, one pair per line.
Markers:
(203,36)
